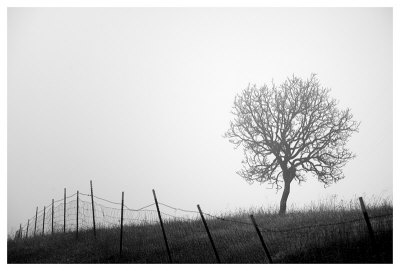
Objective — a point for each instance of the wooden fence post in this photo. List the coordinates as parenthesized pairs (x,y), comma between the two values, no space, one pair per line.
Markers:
(261,238)
(366,217)
(27,229)
(122,225)
(44,215)
(77,213)
(209,234)
(52,216)
(162,227)
(370,231)
(94,221)
(65,205)
(20,231)
(34,232)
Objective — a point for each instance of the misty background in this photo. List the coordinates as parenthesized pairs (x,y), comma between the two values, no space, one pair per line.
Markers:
(139,98)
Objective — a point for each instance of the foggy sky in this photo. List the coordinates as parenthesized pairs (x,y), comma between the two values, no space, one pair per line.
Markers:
(139,98)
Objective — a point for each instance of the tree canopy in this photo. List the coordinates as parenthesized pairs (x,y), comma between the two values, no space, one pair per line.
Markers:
(290,130)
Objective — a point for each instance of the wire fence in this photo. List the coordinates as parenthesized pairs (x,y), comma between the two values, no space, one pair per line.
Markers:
(159,232)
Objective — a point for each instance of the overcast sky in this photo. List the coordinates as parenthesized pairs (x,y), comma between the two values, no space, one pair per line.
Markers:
(139,98)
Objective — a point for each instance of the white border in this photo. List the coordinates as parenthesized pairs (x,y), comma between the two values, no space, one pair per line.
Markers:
(193,3)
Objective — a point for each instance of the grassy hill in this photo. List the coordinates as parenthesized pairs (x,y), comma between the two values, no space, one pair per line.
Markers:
(322,234)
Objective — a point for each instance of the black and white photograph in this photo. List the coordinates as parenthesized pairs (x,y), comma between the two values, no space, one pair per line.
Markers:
(198,134)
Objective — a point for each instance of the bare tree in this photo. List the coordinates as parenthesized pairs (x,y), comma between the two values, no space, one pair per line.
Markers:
(290,131)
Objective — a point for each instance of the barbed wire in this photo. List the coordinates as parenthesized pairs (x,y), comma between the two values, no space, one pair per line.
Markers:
(108,216)
(178,209)
(70,196)
(263,229)
(83,194)
(48,206)
(58,200)
(105,207)
(140,209)
(109,201)
(170,215)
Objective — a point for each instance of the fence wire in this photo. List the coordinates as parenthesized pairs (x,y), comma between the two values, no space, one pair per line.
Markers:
(234,236)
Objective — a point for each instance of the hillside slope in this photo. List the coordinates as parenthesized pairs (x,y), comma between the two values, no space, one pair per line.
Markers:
(323,235)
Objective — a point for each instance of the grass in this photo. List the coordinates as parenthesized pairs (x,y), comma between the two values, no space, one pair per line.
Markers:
(320,233)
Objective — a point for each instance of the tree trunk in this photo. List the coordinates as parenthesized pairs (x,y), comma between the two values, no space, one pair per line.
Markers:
(288,176)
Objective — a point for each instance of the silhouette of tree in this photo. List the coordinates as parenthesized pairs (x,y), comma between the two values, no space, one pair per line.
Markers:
(290,131)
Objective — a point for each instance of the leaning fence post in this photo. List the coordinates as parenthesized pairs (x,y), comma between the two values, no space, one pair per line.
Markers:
(27,229)
(44,215)
(122,225)
(94,221)
(261,238)
(65,205)
(77,213)
(34,232)
(209,234)
(366,217)
(52,216)
(162,227)
(371,232)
